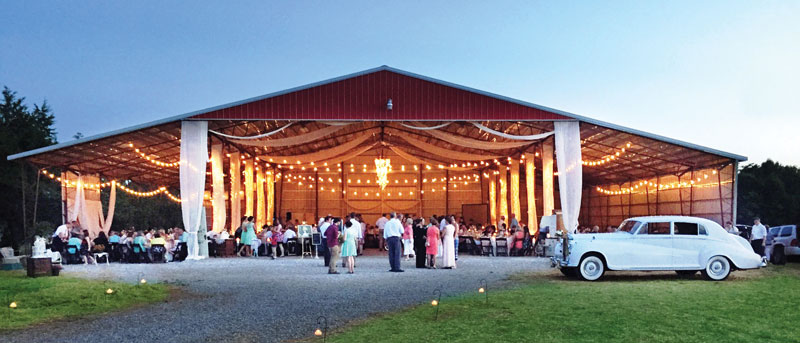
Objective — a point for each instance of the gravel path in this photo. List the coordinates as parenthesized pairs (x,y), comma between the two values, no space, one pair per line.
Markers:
(249,300)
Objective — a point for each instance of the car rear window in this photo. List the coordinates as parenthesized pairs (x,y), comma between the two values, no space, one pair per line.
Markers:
(686,229)
(786,231)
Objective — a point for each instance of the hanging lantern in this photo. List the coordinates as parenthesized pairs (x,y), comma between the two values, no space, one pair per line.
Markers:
(382,168)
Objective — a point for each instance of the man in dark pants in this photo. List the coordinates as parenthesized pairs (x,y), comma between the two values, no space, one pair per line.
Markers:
(393,233)
(758,236)
(326,253)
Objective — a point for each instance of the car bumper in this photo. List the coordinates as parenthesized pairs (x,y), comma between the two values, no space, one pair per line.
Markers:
(792,251)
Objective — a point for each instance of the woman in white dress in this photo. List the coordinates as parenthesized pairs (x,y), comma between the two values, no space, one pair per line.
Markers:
(448,245)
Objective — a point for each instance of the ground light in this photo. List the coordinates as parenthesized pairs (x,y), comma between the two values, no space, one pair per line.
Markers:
(142,280)
(12,305)
(322,330)
(435,303)
(484,288)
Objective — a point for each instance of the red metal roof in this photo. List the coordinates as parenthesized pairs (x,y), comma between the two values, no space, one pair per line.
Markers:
(364,97)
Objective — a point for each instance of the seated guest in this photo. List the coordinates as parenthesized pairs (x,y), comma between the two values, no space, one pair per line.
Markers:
(60,237)
(519,239)
(73,248)
(212,237)
(101,242)
(223,236)
(140,246)
(287,235)
(114,237)
(158,247)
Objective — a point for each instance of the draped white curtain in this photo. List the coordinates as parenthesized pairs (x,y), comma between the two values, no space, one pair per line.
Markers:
(261,202)
(493,198)
(548,201)
(85,205)
(194,156)
(293,140)
(112,201)
(505,135)
(514,186)
(416,160)
(267,134)
(218,188)
(446,153)
(475,143)
(270,196)
(570,171)
(249,188)
(503,186)
(236,187)
(530,183)
(321,154)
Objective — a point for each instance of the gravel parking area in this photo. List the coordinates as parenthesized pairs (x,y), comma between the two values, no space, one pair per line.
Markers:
(264,300)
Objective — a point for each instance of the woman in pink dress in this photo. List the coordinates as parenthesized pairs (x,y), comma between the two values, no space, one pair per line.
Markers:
(432,245)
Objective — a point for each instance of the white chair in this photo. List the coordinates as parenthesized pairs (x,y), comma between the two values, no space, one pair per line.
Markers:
(100,254)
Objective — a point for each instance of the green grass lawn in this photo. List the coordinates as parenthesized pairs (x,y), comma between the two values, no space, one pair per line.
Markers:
(751,306)
(47,298)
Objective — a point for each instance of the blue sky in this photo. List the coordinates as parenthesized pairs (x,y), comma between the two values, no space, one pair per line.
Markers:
(724,74)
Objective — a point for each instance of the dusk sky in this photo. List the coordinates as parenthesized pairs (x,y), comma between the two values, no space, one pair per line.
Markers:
(723,74)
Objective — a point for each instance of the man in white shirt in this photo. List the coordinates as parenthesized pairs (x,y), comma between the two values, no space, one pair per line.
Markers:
(758,237)
(393,233)
(501,222)
(380,224)
(60,236)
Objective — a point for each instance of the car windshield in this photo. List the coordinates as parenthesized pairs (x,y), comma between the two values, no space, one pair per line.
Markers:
(629,226)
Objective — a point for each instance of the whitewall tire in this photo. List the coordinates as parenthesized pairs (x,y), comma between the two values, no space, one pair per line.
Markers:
(717,269)
(591,268)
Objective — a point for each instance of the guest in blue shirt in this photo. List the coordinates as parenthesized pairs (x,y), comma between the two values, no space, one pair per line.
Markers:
(114,238)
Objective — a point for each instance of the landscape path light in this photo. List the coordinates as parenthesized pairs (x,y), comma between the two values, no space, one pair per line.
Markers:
(323,329)
(483,287)
(435,302)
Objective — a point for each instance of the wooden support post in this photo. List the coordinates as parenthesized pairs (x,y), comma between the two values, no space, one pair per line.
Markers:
(680,193)
(647,194)
(658,182)
(630,198)
(691,195)
(419,191)
(279,205)
(316,195)
(342,202)
(734,190)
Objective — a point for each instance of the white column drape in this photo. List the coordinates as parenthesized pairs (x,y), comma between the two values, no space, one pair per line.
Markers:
(249,188)
(503,186)
(194,157)
(493,198)
(548,201)
(236,187)
(530,188)
(514,186)
(270,196)
(570,171)
(112,201)
(218,189)
(261,202)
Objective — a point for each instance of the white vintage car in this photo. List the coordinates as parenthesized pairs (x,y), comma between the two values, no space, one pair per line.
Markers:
(683,244)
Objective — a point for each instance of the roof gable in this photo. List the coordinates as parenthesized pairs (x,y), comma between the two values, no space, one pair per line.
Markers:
(364,96)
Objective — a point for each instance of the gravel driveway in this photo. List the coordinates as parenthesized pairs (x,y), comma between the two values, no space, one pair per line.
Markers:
(249,300)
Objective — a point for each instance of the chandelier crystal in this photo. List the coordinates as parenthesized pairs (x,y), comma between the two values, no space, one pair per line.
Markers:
(382,168)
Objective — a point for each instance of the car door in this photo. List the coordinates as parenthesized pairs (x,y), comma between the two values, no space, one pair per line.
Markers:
(652,248)
(688,242)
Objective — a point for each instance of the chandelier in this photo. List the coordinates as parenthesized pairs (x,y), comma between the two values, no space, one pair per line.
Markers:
(382,168)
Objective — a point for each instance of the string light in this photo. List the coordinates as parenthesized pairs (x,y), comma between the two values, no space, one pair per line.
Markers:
(607,158)
(153,160)
(661,186)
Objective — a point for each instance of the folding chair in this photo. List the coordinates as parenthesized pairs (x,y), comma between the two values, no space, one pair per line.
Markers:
(158,253)
(502,246)
(486,246)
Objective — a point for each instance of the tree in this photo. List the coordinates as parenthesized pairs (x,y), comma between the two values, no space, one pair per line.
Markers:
(22,129)
(770,191)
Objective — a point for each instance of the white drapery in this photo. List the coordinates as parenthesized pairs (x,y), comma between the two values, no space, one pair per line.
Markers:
(493,198)
(416,160)
(530,183)
(270,196)
(236,187)
(252,137)
(261,211)
(218,189)
(321,154)
(446,153)
(503,185)
(112,201)
(249,188)
(570,171)
(514,186)
(85,206)
(418,126)
(345,157)
(548,200)
(505,135)
(293,140)
(194,157)
(475,143)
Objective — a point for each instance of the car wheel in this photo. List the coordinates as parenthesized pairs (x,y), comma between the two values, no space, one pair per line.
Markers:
(591,268)
(778,255)
(686,273)
(569,271)
(717,269)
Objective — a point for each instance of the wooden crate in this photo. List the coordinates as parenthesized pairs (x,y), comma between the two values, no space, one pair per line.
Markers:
(39,267)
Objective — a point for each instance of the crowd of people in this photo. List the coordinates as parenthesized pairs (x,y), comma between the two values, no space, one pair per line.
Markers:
(76,245)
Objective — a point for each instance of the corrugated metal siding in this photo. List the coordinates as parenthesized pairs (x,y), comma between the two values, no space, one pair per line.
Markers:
(364,98)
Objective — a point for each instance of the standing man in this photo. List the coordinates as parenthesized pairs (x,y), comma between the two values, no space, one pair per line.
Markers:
(326,254)
(392,233)
(332,240)
(381,223)
(758,237)
(513,221)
